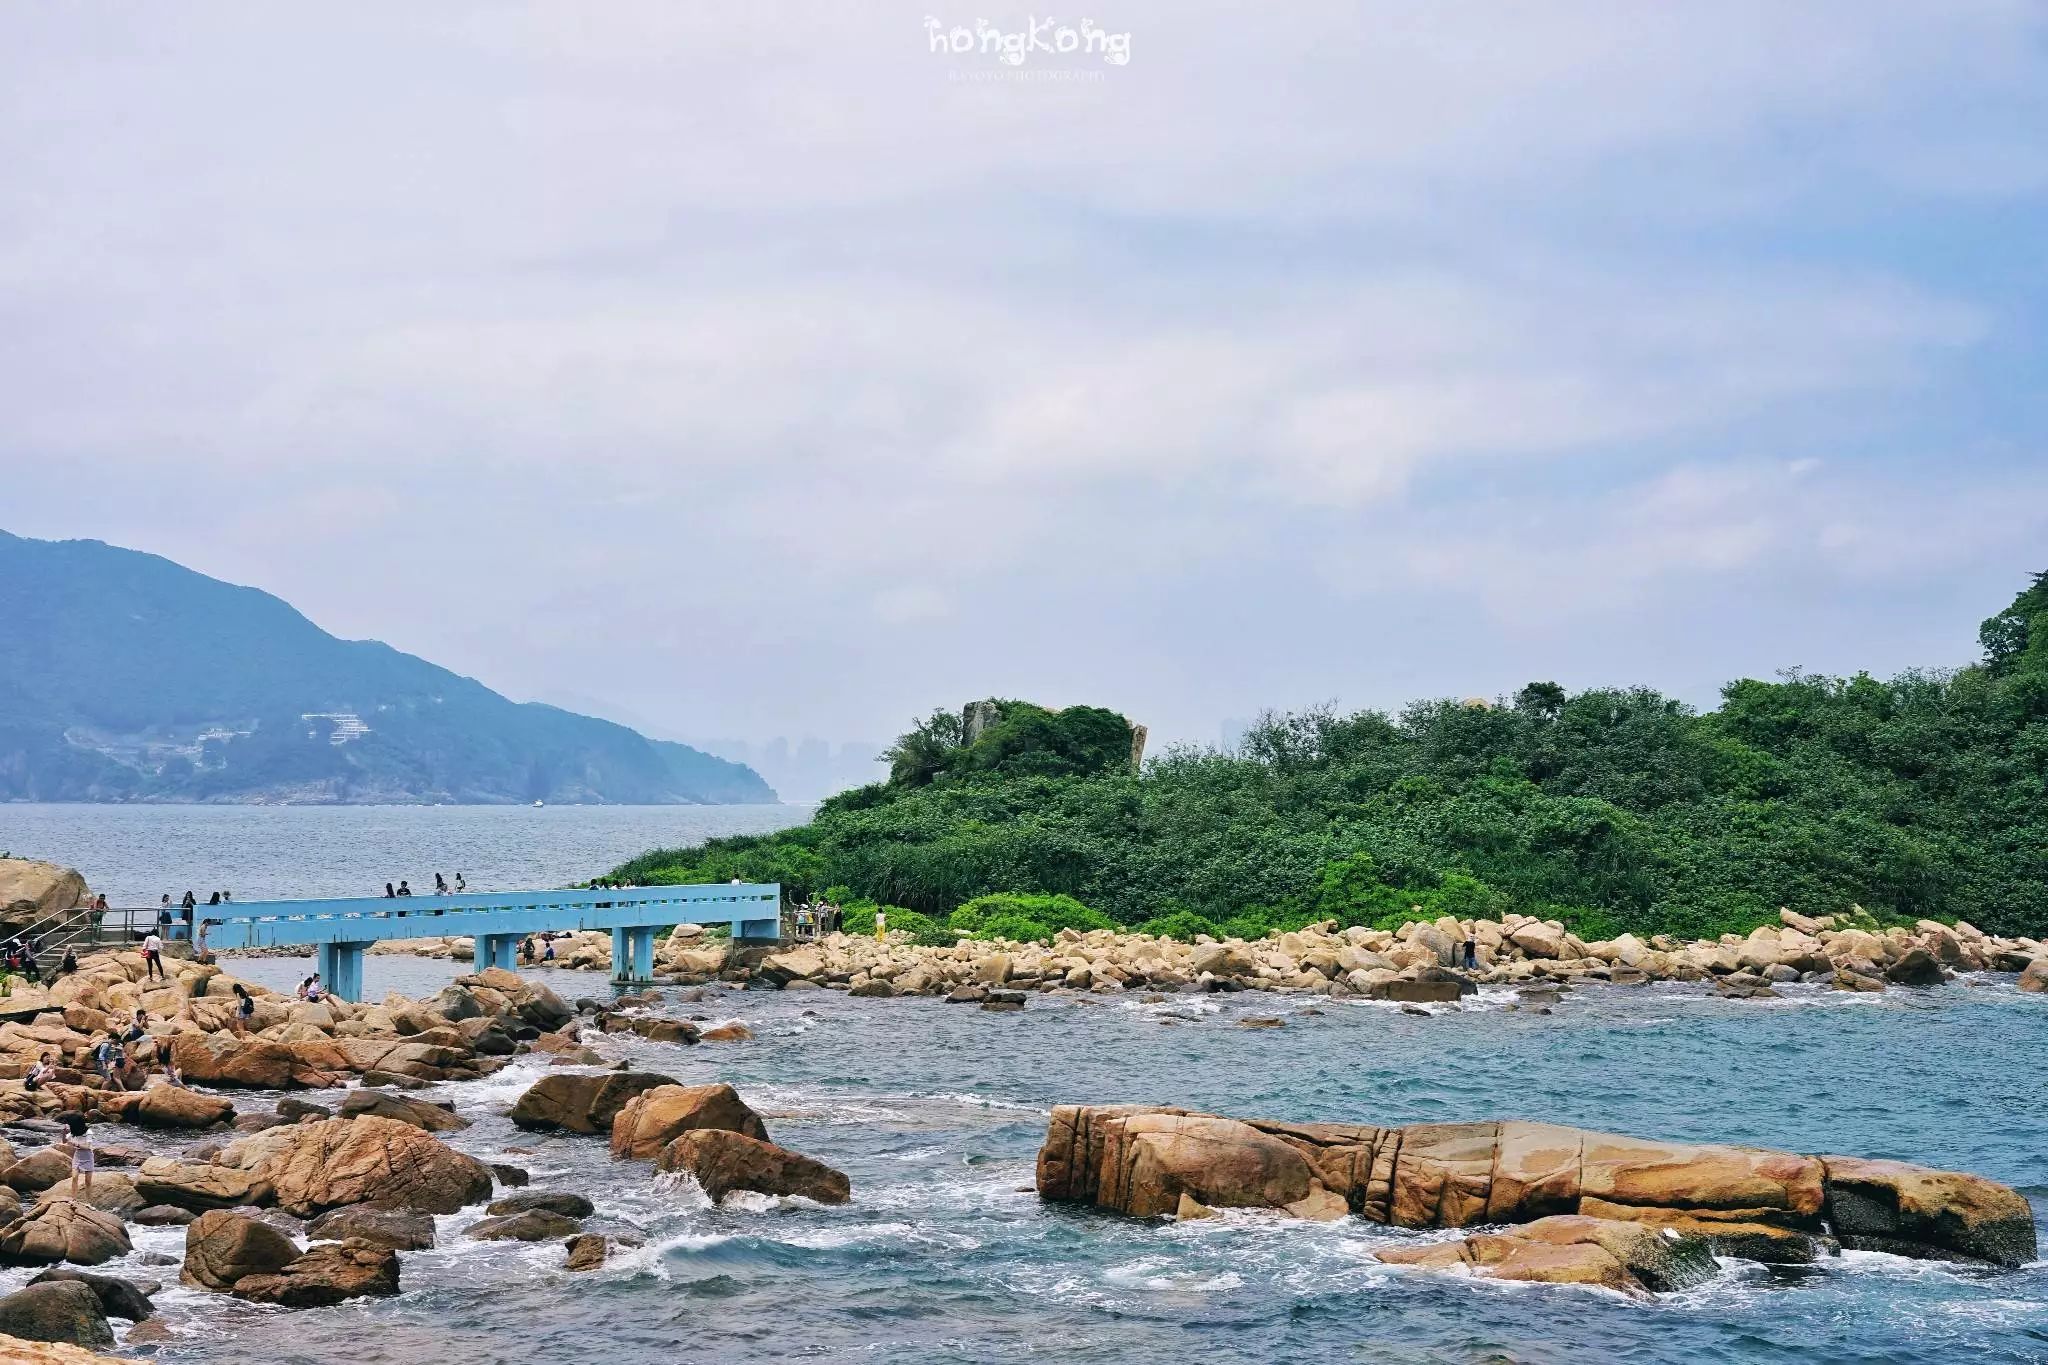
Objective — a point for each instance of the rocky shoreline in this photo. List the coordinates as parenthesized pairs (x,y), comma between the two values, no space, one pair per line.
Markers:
(1420,963)
(361,1182)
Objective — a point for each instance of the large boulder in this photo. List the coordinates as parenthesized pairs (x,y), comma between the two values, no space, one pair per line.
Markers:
(62,1311)
(32,890)
(792,964)
(168,1106)
(430,1118)
(111,1192)
(38,1170)
(199,1186)
(1569,1249)
(579,1103)
(724,1161)
(1915,967)
(259,1064)
(333,1163)
(221,1248)
(63,1230)
(533,1002)
(1542,941)
(325,1274)
(654,1118)
(2034,979)
(1742,1201)
(1911,1210)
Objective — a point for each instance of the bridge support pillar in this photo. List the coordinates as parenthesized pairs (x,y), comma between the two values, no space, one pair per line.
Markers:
(632,956)
(498,950)
(341,968)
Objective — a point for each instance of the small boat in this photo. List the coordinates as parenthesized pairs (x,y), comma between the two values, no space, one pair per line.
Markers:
(540,803)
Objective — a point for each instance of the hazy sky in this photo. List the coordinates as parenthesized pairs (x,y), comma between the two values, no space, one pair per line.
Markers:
(761,371)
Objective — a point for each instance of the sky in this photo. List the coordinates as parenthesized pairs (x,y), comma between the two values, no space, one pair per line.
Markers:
(761,370)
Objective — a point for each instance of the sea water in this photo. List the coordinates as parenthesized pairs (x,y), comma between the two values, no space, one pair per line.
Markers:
(945,1254)
(135,855)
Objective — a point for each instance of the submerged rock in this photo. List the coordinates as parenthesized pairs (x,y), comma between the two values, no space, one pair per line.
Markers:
(1571,1249)
(587,1250)
(562,1202)
(389,1228)
(432,1118)
(582,1104)
(327,1274)
(532,1225)
(118,1298)
(724,1161)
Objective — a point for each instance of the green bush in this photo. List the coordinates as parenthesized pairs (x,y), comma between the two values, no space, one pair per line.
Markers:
(857,916)
(1184,925)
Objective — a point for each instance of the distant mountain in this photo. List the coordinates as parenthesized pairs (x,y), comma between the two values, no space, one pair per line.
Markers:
(125,677)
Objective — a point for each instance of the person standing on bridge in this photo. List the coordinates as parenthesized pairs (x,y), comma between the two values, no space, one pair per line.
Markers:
(389,894)
(440,885)
(460,885)
(404,888)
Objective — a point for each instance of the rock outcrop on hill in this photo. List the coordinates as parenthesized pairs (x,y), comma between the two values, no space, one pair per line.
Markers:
(1766,1205)
(31,891)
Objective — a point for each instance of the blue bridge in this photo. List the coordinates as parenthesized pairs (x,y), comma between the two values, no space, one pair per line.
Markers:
(341,930)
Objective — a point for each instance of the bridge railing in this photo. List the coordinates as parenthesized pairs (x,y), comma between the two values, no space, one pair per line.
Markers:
(752,909)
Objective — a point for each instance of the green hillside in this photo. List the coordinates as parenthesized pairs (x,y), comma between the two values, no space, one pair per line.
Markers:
(125,677)
(1925,795)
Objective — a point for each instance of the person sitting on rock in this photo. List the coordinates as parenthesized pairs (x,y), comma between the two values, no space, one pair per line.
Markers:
(311,989)
(78,1146)
(547,947)
(132,1038)
(40,1072)
(69,964)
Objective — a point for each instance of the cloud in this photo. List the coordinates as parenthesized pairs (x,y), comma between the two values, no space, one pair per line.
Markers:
(500,330)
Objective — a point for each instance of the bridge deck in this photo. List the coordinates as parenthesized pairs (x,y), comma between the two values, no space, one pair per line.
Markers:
(497,920)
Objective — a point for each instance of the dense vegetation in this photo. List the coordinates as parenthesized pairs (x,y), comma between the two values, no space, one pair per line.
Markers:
(1923,796)
(126,677)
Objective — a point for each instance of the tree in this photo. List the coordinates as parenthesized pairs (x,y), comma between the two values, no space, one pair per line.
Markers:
(2018,636)
(921,753)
